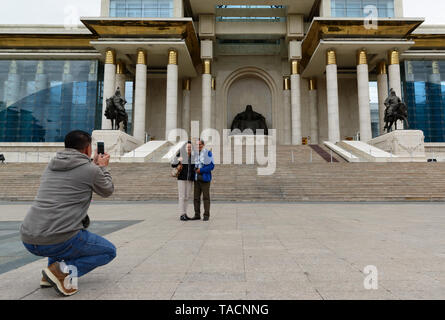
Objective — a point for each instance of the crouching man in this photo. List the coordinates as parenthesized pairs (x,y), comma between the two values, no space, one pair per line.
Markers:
(55,225)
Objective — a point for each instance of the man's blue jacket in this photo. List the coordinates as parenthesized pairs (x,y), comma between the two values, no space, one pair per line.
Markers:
(205,164)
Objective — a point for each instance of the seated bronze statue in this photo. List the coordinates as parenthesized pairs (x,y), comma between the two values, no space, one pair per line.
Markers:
(249,119)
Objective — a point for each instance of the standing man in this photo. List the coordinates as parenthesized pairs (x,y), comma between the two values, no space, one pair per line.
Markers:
(203,168)
(55,226)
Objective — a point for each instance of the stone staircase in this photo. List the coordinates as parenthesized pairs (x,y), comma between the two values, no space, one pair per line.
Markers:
(293,181)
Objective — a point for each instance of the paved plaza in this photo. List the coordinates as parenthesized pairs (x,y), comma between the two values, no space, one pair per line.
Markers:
(248,251)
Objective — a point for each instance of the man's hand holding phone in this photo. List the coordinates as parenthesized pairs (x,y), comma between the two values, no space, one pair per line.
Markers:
(101,160)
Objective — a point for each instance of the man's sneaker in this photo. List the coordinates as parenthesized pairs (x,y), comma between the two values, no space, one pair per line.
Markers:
(44,284)
(206,218)
(56,278)
(196,218)
(184,217)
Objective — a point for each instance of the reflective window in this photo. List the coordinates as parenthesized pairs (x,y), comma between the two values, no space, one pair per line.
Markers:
(224,18)
(362,8)
(42,100)
(424,94)
(141,8)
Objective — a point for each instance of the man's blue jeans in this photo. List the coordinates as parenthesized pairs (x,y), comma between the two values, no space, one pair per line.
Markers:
(86,251)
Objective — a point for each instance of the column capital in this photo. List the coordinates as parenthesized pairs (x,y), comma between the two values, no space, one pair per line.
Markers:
(207,66)
(172,56)
(361,57)
(120,68)
(331,57)
(295,66)
(213,83)
(186,84)
(381,68)
(110,56)
(141,57)
(312,84)
(393,57)
(286,83)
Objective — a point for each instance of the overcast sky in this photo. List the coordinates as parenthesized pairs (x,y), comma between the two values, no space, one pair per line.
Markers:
(68,11)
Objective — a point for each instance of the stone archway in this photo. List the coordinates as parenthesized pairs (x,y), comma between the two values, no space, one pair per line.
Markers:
(250,78)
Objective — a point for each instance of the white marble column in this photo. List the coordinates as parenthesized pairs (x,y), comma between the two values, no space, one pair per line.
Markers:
(313,110)
(364,108)
(213,105)
(109,83)
(206,95)
(394,77)
(140,96)
(382,87)
(186,105)
(295,80)
(120,78)
(287,114)
(332,97)
(171,109)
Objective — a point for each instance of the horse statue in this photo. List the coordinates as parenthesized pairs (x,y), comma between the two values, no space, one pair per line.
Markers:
(115,111)
(395,110)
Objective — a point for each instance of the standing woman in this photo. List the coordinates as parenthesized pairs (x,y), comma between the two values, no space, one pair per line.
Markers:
(186,167)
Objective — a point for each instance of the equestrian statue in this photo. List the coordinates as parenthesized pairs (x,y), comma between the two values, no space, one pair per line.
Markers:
(395,110)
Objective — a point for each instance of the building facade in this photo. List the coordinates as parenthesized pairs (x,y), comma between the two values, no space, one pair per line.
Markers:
(305,65)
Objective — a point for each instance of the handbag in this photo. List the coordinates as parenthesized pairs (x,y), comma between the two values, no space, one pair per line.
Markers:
(176,171)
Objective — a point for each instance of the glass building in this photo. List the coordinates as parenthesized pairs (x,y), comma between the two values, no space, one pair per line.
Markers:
(424,93)
(42,100)
(182,61)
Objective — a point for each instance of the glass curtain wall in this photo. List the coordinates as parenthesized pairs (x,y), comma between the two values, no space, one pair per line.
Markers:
(42,100)
(361,8)
(141,8)
(424,95)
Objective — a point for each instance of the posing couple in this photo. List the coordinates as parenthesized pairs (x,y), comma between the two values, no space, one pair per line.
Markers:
(194,171)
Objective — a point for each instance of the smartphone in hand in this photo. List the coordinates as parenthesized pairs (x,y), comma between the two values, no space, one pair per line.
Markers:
(100,147)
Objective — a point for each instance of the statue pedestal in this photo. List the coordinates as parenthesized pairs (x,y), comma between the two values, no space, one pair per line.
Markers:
(116,142)
(408,145)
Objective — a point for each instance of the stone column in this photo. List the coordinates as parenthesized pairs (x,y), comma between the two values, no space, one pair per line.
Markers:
(120,78)
(313,109)
(364,109)
(295,80)
(394,77)
(171,110)
(382,87)
(186,105)
(109,83)
(140,96)
(213,107)
(206,95)
(332,96)
(287,111)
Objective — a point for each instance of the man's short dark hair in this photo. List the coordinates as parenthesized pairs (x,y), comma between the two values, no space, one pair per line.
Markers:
(77,139)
